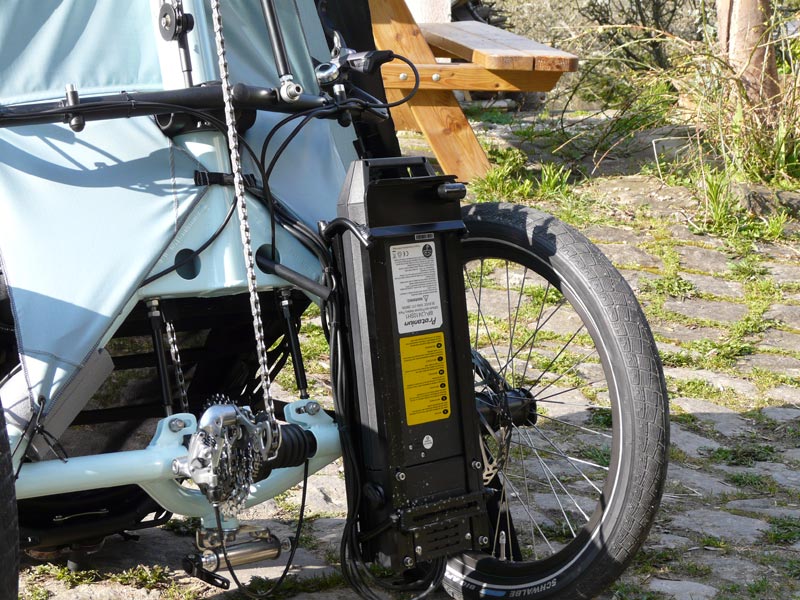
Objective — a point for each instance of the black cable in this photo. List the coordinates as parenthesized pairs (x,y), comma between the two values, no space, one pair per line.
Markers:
(295,544)
(408,96)
(195,253)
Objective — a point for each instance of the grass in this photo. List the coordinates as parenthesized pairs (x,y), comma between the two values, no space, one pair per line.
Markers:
(762,483)
(743,455)
(293,586)
(61,573)
(36,592)
(184,526)
(784,531)
(142,576)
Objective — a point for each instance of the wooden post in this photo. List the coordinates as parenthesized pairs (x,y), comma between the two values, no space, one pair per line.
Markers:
(430,11)
(435,112)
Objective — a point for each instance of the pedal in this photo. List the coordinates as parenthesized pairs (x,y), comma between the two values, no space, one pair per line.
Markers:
(192,565)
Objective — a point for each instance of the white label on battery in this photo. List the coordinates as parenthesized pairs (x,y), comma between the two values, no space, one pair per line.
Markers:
(427,442)
(416,287)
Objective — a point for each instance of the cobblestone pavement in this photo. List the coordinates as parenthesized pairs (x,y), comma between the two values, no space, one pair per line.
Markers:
(728,327)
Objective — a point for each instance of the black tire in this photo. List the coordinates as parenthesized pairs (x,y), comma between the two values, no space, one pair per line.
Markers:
(578,478)
(9,528)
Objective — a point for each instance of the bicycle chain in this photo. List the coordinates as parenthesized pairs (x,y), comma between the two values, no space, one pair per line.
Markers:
(172,340)
(244,229)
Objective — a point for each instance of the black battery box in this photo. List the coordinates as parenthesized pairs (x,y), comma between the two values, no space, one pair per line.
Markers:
(416,435)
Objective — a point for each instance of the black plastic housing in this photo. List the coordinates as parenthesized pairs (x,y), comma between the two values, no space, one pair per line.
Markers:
(417,426)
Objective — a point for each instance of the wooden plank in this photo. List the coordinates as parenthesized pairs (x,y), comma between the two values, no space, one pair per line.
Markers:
(467,76)
(496,48)
(436,112)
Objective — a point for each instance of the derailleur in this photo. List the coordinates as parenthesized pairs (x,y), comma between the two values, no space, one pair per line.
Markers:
(225,452)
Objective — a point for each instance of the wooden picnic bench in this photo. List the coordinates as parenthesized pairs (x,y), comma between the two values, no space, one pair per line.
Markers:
(493,60)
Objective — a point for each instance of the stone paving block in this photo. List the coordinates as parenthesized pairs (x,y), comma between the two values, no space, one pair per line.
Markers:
(717,380)
(613,235)
(783,365)
(780,340)
(702,259)
(784,393)
(684,234)
(764,506)
(628,255)
(731,568)
(686,333)
(706,284)
(683,590)
(635,278)
(784,271)
(783,475)
(711,310)
(668,541)
(723,419)
(722,525)
(697,483)
(692,444)
(792,455)
(781,414)
(787,314)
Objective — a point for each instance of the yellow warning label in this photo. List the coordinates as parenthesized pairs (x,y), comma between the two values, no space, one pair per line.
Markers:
(425,387)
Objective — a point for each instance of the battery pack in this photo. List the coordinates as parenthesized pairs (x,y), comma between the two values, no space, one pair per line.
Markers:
(422,495)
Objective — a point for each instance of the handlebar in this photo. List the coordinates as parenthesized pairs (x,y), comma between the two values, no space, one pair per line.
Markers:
(136,104)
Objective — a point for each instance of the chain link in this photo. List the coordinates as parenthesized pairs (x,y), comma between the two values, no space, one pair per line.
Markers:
(241,207)
(172,340)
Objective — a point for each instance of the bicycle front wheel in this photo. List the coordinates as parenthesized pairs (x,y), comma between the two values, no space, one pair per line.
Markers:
(573,410)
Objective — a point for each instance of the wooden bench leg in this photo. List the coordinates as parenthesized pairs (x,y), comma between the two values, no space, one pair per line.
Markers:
(436,113)
(439,117)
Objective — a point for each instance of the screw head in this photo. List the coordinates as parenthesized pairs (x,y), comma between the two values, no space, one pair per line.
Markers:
(408,562)
(483,540)
(403,76)
(468,536)
(175,425)
(400,476)
(418,550)
(436,77)
(477,465)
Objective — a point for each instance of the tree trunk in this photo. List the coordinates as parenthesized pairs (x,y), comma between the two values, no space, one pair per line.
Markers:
(745,38)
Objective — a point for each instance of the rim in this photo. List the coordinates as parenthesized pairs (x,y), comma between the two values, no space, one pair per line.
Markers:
(547,406)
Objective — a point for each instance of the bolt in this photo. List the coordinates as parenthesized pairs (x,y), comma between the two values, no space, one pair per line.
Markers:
(418,550)
(175,425)
(422,454)
(477,465)
(468,536)
(400,476)
(403,76)
(310,408)
(483,540)
(408,562)
(436,77)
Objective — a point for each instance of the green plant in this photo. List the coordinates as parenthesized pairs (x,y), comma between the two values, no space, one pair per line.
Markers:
(489,115)
(764,483)
(710,541)
(508,180)
(553,181)
(142,576)
(36,592)
(182,525)
(743,455)
(61,573)
(784,530)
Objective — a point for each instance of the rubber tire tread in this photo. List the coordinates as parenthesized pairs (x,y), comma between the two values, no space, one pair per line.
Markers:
(621,318)
(9,526)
